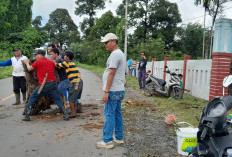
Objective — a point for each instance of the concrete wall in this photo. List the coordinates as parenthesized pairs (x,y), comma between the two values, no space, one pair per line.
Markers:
(197,75)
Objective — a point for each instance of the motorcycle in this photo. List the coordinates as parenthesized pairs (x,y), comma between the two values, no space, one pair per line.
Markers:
(154,85)
(214,138)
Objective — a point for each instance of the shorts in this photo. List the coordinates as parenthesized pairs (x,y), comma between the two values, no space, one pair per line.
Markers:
(73,94)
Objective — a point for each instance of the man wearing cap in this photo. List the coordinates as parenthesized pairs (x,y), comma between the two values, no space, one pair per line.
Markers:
(43,67)
(114,91)
(19,81)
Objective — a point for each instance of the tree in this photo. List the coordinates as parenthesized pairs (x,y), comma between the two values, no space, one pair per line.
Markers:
(37,22)
(152,19)
(60,27)
(88,7)
(190,40)
(15,16)
(105,24)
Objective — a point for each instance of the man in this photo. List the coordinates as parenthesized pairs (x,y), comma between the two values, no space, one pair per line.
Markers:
(114,91)
(62,76)
(43,67)
(142,70)
(76,83)
(129,62)
(181,83)
(19,81)
(50,47)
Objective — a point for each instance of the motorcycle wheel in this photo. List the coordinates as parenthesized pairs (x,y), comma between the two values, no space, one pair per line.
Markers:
(176,93)
(147,92)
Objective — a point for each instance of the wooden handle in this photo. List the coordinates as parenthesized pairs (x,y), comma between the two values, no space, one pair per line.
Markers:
(43,84)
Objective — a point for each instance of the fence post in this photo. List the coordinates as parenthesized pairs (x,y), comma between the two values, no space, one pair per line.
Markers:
(186,58)
(153,62)
(220,69)
(166,59)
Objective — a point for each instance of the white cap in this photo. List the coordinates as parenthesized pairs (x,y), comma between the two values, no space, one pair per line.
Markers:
(109,36)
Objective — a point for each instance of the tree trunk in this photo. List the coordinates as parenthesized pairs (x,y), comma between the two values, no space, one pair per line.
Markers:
(32,83)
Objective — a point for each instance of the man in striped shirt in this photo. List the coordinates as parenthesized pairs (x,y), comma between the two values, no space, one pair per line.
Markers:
(76,83)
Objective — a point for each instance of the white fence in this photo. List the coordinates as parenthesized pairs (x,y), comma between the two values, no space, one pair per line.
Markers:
(198,74)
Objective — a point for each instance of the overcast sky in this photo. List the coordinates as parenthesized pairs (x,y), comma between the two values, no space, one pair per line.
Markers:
(189,12)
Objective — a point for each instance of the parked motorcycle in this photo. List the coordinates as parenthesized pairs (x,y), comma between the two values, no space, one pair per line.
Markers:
(154,85)
(214,138)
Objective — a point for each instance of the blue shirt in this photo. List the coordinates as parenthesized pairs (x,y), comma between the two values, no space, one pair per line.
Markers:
(130,62)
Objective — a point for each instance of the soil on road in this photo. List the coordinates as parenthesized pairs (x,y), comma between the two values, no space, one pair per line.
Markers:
(48,135)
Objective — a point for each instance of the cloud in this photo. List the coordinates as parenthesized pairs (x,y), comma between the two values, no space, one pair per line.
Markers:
(45,7)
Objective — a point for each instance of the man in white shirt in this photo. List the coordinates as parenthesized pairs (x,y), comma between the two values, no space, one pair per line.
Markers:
(114,91)
(19,81)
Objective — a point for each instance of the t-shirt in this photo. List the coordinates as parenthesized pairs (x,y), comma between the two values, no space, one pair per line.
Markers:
(130,62)
(181,85)
(71,69)
(61,71)
(134,64)
(142,64)
(44,66)
(115,60)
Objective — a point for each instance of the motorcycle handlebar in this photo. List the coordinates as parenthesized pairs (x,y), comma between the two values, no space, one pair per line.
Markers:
(203,134)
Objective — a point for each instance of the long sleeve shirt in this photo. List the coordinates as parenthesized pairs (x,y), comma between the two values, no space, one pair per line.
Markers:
(18,69)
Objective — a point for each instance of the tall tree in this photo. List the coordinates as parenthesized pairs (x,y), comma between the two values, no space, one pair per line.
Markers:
(37,22)
(60,26)
(152,18)
(89,8)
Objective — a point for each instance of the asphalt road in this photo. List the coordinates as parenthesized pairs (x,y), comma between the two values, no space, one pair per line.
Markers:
(48,135)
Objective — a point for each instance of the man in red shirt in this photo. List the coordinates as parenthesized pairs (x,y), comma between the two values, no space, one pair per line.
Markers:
(44,66)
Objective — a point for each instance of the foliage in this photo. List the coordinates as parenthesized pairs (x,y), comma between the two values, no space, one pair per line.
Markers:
(61,28)
(36,23)
(154,48)
(15,16)
(88,7)
(190,40)
(152,18)
(104,25)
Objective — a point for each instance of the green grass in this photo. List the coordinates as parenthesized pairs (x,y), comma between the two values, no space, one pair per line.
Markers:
(185,109)
(97,69)
(5,72)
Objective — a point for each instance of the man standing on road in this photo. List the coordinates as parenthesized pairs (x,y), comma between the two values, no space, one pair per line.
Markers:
(62,76)
(142,70)
(43,67)
(19,81)
(114,91)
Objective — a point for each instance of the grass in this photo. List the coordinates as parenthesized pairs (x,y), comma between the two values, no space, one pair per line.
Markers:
(5,72)
(185,109)
(91,67)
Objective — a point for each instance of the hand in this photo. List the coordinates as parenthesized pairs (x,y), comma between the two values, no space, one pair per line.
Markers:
(26,61)
(105,97)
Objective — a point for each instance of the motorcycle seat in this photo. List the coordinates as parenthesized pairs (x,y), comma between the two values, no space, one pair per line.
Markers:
(160,81)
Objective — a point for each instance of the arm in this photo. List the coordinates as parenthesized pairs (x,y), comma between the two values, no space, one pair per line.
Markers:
(110,79)
(6,63)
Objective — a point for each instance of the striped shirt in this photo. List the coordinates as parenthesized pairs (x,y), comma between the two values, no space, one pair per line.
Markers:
(71,69)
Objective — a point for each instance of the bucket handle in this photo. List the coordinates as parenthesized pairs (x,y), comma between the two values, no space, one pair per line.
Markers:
(180,123)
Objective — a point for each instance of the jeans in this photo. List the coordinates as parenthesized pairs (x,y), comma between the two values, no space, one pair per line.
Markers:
(142,78)
(113,116)
(50,89)
(133,69)
(63,85)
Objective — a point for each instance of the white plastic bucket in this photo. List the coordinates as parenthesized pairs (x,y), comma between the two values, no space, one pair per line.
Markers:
(186,138)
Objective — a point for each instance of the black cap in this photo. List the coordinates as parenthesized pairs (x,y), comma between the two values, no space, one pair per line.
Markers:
(16,48)
(41,52)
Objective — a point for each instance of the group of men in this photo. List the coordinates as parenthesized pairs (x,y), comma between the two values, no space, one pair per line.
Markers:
(55,76)
(68,75)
